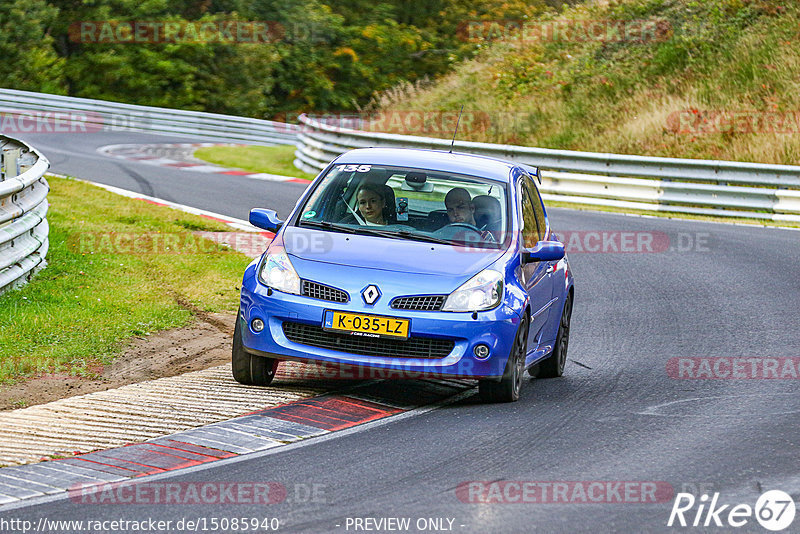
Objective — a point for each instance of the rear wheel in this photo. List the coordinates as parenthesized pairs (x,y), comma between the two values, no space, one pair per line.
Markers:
(553,366)
(249,369)
(509,386)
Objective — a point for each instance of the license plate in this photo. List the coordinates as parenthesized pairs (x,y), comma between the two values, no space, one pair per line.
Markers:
(359,324)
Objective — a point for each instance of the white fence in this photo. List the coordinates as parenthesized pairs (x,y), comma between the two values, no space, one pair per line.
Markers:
(719,188)
(23,211)
(40,112)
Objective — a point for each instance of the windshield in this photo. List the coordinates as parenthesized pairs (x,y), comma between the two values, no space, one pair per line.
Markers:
(409,203)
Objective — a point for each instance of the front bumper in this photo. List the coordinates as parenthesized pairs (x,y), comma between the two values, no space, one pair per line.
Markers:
(496,328)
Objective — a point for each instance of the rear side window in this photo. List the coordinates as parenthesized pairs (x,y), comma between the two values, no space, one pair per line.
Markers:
(538,208)
(530,230)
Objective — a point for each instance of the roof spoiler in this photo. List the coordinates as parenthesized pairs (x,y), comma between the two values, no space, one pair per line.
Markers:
(533,171)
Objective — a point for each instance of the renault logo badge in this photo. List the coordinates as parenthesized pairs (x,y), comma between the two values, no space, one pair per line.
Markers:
(371,294)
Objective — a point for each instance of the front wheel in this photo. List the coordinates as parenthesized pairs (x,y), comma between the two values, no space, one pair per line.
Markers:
(249,369)
(553,366)
(507,390)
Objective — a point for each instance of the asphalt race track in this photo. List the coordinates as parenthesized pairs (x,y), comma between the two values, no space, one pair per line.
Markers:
(619,414)
(76,155)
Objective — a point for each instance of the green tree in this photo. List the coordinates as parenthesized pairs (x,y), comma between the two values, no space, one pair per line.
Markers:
(29,61)
(209,76)
(333,56)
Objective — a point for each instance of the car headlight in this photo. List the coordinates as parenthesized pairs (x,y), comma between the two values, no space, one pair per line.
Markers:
(278,273)
(483,291)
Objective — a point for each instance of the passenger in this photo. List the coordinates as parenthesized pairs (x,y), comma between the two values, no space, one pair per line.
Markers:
(488,215)
(460,208)
(371,204)
(487,212)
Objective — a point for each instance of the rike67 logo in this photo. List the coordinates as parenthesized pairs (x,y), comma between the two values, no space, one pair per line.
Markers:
(774,510)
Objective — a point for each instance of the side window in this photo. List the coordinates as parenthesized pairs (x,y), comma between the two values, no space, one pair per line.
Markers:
(530,231)
(538,209)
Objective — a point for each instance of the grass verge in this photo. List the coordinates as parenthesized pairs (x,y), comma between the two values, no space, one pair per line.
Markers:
(269,159)
(76,314)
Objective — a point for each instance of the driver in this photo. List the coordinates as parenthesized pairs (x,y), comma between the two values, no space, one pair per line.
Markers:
(371,202)
(460,208)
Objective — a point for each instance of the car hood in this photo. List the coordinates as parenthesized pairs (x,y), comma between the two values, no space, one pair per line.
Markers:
(386,254)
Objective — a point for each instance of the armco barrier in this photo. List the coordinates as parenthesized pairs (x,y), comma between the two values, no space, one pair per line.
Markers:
(719,188)
(23,211)
(41,112)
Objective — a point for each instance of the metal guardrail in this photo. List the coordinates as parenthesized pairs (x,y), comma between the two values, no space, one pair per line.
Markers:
(704,187)
(23,211)
(45,112)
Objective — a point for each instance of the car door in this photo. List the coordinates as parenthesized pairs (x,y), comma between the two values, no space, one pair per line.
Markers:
(537,277)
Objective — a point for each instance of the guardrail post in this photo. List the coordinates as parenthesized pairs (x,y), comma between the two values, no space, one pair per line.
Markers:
(25,161)
(11,163)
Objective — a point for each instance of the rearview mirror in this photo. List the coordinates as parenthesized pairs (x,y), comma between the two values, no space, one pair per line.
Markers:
(544,251)
(266,219)
(417,181)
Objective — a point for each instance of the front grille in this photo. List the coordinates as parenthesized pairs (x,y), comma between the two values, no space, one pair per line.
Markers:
(413,347)
(319,291)
(420,303)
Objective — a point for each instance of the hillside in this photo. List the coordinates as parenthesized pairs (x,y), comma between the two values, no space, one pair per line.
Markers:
(700,79)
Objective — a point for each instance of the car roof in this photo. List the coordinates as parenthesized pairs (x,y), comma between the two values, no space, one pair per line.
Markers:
(437,160)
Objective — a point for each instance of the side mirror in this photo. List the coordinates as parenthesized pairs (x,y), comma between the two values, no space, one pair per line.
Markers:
(266,219)
(544,251)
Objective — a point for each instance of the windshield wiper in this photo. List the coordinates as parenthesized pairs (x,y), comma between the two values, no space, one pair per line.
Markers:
(434,239)
(423,237)
(329,226)
(403,234)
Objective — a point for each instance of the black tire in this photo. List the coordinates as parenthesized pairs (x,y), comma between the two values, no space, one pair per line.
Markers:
(533,370)
(249,369)
(553,365)
(508,388)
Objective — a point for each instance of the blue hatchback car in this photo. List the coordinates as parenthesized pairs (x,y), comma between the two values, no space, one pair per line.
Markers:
(420,262)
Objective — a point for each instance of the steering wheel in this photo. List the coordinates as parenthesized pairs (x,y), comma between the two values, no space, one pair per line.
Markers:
(485,235)
(494,223)
(464,225)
